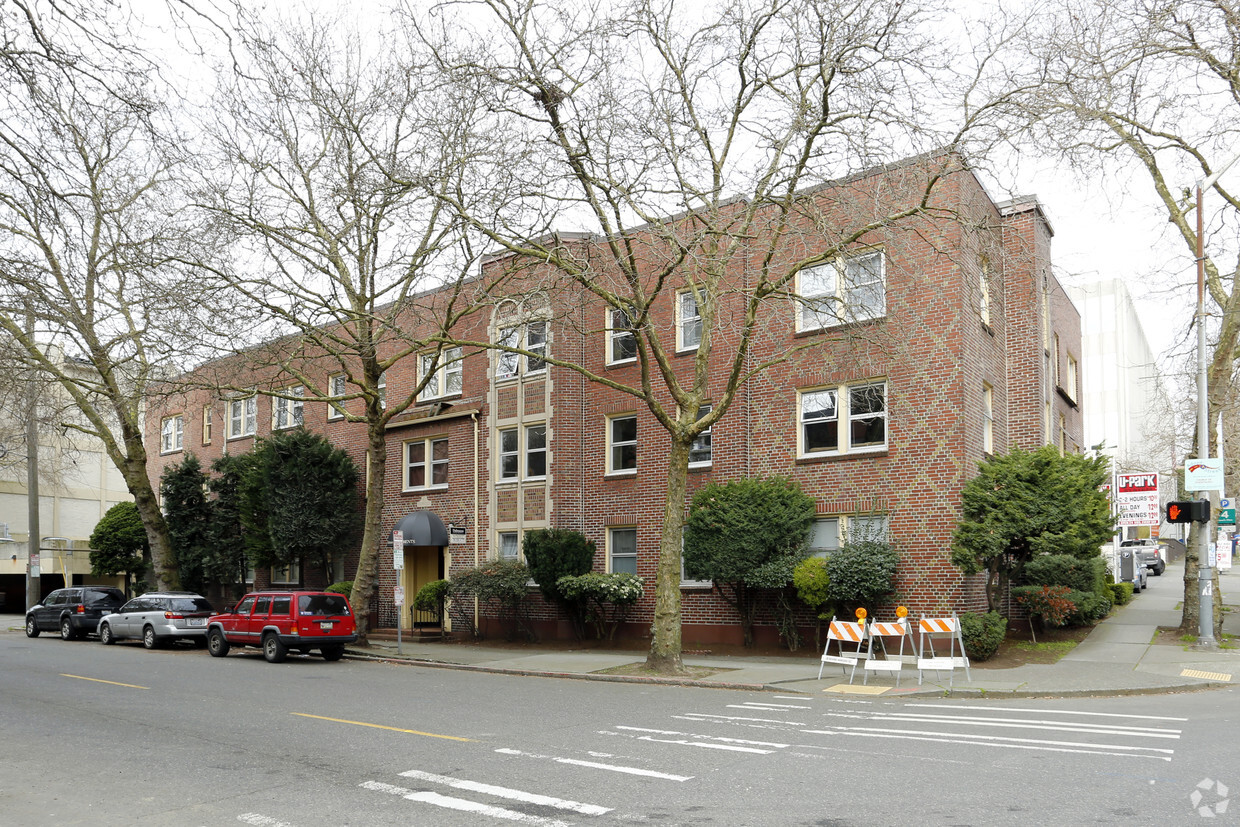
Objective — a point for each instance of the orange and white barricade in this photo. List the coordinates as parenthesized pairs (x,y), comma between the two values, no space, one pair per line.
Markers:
(930,628)
(846,634)
(886,633)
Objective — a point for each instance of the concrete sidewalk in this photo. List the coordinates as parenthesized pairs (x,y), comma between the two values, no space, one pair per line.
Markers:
(1118,657)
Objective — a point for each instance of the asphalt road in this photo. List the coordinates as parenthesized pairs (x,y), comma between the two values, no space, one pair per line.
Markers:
(119,735)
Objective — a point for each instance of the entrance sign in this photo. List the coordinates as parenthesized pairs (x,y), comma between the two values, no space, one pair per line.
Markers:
(398,549)
(1203,474)
(456,536)
(1136,499)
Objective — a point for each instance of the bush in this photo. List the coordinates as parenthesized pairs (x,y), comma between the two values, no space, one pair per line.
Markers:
(552,553)
(813,584)
(1121,593)
(1090,608)
(862,573)
(1049,604)
(607,598)
(344,587)
(1065,570)
(982,634)
(504,583)
(430,596)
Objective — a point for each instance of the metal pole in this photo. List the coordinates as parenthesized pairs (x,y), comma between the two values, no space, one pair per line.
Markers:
(34,587)
(1205,580)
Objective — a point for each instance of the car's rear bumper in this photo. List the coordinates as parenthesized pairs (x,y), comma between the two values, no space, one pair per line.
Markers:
(308,642)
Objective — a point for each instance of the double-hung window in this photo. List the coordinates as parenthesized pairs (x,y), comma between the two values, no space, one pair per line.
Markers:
(841,419)
(622,550)
(621,340)
(531,337)
(442,373)
(207,416)
(829,533)
(171,434)
(852,289)
(700,451)
(983,299)
(288,412)
(688,321)
(336,388)
(242,416)
(426,463)
(988,418)
(622,444)
(381,389)
(509,545)
(535,452)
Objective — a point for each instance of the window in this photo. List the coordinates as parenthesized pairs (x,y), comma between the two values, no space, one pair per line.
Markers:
(860,423)
(442,373)
(287,413)
(853,289)
(1063,434)
(829,533)
(825,537)
(171,433)
(983,299)
(426,459)
(336,389)
(381,389)
(700,450)
(622,444)
(531,337)
(988,418)
(621,340)
(535,452)
(242,416)
(688,321)
(207,415)
(1070,378)
(289,573)
(868,529)
(622,550)
(509,548)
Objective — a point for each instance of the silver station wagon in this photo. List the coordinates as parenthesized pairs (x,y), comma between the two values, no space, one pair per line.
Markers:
(158,618)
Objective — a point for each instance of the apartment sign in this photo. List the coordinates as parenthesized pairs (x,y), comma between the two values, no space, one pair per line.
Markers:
(1136,499)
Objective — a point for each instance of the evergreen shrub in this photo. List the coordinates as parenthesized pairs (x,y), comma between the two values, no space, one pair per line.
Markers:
(982,633)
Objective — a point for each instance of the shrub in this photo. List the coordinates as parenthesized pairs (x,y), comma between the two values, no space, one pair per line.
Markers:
(982,634)
(552,553)
(607,598)
(1065,570)
(504,583)
(1121,593)
(430,596)
(344,587)
(862,573)
(1049,604)
(813,584)
(1090,608)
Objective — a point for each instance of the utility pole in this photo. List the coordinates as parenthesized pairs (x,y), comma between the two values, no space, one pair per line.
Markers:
(34,585)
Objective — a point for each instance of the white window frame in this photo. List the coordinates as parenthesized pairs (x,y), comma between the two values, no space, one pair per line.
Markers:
(336,388)
(613,445)
(988,418)
(508,545)
(703,442)
(208,416)
(429,463)
(1070,377)
(829,293)
(822,529)
(612,531)
(685,581)
(532,336)
(536,333)
(843,415)
(508,451)
(531,450)
(620,338)
(843,527)
(291,572)
(242,417)
(445,369)
(288,413)
(983,308)
(172,434)
(381,390)
(688,327)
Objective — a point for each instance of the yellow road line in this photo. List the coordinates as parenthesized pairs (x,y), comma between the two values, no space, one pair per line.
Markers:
(381,726)
(97,680)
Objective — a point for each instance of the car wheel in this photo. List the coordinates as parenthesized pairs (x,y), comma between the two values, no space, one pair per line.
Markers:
(1159,568)
(66,629)
(273,650)
(332,652)
(148,638)
(32,628)
(105,635)
(217,644)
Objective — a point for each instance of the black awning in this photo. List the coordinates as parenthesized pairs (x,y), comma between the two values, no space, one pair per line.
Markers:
(423,528)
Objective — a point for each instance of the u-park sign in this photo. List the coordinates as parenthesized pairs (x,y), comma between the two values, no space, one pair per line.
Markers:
(1136,499)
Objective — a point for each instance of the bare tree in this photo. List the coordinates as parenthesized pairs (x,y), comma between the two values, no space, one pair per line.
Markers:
(332,163)
(712,158)
(1151,85)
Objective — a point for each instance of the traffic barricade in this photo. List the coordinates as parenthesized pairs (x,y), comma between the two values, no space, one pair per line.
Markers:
(886,635)
(849,638)
(930,628)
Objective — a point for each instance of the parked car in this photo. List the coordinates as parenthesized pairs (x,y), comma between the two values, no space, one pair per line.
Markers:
(74,611)
(1153,554)
(279,621)
(158,618)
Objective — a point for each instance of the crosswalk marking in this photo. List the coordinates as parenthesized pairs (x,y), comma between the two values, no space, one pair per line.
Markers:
(462,805)
(597,765)
(507,792)
(1047,711)
(1001,742)
(1033,723)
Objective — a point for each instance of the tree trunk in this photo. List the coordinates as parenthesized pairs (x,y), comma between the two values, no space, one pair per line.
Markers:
(372,532)
(664,656)
(163,560)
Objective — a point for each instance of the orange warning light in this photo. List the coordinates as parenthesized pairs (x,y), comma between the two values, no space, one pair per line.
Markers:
(861,613)
(902,611)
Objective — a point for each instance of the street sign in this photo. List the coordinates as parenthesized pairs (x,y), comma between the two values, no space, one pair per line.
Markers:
(1136,499)
(398,549)
(1203,474)
(398,596)
(1227,516)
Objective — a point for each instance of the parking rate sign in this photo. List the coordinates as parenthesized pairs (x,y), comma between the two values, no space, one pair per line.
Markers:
(1136,499)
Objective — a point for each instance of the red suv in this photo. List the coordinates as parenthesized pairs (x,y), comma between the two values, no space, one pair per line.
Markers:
(282,620)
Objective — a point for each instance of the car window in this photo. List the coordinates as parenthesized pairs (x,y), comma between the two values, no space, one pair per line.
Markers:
(132,605)
(104,596)
(263,604)
(322,604)
(281,605)
(243,608)
(189,604)
(55,598)
(73,596)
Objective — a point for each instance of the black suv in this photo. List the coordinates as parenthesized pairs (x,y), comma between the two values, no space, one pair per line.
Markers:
(74,611)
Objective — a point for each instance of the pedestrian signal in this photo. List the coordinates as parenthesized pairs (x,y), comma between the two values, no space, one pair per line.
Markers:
(1190,511)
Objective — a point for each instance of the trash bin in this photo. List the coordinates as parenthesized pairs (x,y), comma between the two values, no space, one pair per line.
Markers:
(1128,563)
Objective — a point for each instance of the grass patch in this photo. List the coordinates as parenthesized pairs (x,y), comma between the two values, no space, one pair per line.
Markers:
(641,670)
(1051,648)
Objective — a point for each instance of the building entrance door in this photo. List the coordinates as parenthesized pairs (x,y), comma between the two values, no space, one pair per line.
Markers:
(424,564)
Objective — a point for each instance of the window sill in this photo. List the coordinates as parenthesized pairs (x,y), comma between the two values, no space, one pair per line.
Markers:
(807,459)
(632,472)
(696,585)
(700,466)
(683,351)
(831,328)
(171,451)
(240,436)
(619,363)
(424,488)
(989,330)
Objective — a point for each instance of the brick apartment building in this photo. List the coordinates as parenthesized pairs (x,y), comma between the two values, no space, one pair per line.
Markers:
(958,342)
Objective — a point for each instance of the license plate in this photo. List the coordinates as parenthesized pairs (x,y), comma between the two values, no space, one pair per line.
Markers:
(197,621)
(326,627)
